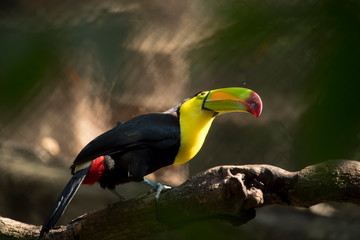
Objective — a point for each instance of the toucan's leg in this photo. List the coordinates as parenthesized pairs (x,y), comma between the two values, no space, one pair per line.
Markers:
(158,186)
(116,193)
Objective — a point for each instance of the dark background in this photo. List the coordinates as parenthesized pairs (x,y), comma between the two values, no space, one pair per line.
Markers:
(69,70)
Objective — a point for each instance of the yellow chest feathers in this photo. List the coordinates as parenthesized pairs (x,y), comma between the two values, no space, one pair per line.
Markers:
(194,126)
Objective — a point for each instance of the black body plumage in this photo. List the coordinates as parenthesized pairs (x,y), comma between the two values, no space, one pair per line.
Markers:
(135,148)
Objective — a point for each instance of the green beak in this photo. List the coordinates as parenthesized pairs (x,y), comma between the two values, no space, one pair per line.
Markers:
(233,99)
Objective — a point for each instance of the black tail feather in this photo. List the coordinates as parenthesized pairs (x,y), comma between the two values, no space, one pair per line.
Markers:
(64,200)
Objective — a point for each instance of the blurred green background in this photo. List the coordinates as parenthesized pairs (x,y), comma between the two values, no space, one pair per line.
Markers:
(70,70)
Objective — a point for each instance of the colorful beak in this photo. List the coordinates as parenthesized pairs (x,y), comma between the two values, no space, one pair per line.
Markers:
(233,99)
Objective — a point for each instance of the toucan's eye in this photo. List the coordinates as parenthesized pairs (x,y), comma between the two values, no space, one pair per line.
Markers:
(202,94)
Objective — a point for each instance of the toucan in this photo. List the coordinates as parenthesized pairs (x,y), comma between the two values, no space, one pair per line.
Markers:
(148,142)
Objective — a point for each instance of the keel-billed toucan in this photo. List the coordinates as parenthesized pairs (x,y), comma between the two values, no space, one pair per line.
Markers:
(148,142)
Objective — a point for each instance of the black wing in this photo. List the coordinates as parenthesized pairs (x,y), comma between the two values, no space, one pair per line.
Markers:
(156,130)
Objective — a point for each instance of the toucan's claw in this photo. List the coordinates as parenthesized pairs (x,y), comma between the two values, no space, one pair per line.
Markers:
(158,186)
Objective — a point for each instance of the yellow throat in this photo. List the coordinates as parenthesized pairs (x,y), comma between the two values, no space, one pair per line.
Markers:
(194,126)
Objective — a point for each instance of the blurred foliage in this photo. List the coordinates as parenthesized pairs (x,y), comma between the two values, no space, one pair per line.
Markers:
(31,59)
(24,59)
(332,123)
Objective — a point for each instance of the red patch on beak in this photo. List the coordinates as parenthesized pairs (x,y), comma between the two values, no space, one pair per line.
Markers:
(95,172)
(254,104)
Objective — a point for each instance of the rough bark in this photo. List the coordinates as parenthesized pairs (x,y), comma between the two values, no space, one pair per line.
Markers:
(227,192)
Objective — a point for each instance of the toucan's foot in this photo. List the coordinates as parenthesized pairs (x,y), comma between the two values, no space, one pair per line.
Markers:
(158,186)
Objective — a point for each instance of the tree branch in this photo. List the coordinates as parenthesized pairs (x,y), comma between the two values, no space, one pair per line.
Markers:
(227,192)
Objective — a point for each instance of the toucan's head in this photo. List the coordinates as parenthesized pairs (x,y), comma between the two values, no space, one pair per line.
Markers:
(197,113)
(225,100)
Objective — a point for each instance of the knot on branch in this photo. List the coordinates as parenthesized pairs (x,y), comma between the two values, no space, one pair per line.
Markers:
(238,189)
(221,192)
